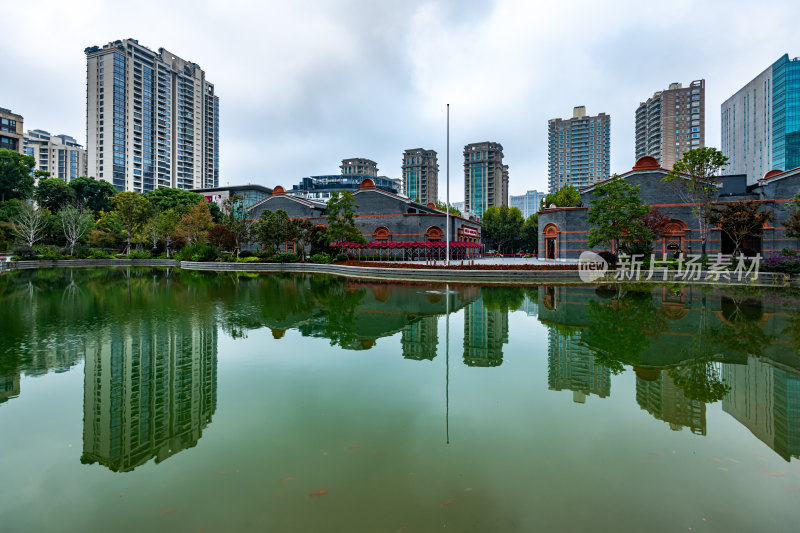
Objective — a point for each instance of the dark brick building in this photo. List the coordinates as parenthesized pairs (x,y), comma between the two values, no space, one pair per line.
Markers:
(563,231)
(382,216)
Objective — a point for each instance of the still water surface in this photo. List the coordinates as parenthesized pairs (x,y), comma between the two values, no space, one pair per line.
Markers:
(163,400)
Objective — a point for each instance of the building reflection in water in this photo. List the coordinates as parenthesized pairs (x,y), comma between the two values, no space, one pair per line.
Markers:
(149,391)
(485,333)
(571,366)
(9,386)
(657,394)
(420,339)
(766,400)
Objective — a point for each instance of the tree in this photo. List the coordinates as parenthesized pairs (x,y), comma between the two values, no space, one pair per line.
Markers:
(502,225)
(132,209)
(341,219)
(792,224)
(167,226)
(740,220)
(53,194)
(273,228)
(75,224)
(29,224)
(694,178)
(617,217)
(94,195)
(195,224)
(108,231)
(441,206)
(235,219)
(222,238)
(566,196)
(302,234)
(16,175)
(529,234)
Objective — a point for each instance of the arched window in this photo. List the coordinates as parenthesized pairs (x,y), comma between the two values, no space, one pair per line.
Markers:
(434,233)
(550,241)
(382,234)
(674,238)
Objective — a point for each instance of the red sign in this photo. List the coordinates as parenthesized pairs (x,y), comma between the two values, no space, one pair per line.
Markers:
(469,231)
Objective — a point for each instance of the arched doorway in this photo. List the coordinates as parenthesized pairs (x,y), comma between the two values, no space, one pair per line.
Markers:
(550,241)
(673,238)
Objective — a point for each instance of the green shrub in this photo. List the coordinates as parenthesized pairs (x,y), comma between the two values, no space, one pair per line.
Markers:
(199,251)
(265,254)
(97,253)
(227,258)
(341,257)
(786,252)
(23,253)
(139,254)
(285,258)
(251,259)
(51,253)
(321,258)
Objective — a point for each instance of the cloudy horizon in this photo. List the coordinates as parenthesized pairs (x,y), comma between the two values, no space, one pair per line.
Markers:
(305,84)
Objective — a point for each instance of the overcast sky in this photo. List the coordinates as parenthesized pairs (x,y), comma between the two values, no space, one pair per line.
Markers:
(304,84)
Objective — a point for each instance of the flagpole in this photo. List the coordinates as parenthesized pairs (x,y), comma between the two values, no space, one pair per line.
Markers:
(447,216)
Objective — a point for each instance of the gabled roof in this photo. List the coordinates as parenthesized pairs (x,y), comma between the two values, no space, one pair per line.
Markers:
(775,175)
(278,192)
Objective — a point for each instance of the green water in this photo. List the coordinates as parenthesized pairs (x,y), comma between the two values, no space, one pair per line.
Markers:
(162,400)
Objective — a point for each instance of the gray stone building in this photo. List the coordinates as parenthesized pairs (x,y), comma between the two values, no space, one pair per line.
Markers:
(485,177)
(382,216)
(358,165)
(60,155)
(421,175)
(10,130)
(563,231)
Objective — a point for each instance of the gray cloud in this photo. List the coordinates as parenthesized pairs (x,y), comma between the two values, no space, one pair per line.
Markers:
(304,84)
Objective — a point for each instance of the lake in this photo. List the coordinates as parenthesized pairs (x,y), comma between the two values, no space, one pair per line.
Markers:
(169,400)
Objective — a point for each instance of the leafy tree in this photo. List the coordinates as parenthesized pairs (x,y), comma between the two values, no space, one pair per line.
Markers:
(236,220)
(108,231)
(273,228)
(529,234)
(221,237)
(740,220)
(617,217)
(94,195)
(53,194)
(792,224)
(29,224)
(195,224)
(132,209)
(441,206)
(9,209)
(502,225)
(694,178)
(168,198)
(302,234)
(16,175)
(566,196)
(341,219)
(167,226)
(75,224)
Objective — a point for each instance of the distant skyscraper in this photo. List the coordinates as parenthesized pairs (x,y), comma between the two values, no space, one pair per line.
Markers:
(60,155)
(761,122)
(10,130)
(421,175)
(357,165)
(528,203)
(156,123)
(672,122)
(571,366)
(579,150)
(485,177)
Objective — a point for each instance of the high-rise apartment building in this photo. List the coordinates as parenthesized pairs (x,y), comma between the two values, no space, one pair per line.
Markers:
(528,203)
(485,177)
(761,122)
(357,165)
(10,130)
(421,175)
(156,123)
(671,123)
(60,155)
(579,150)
